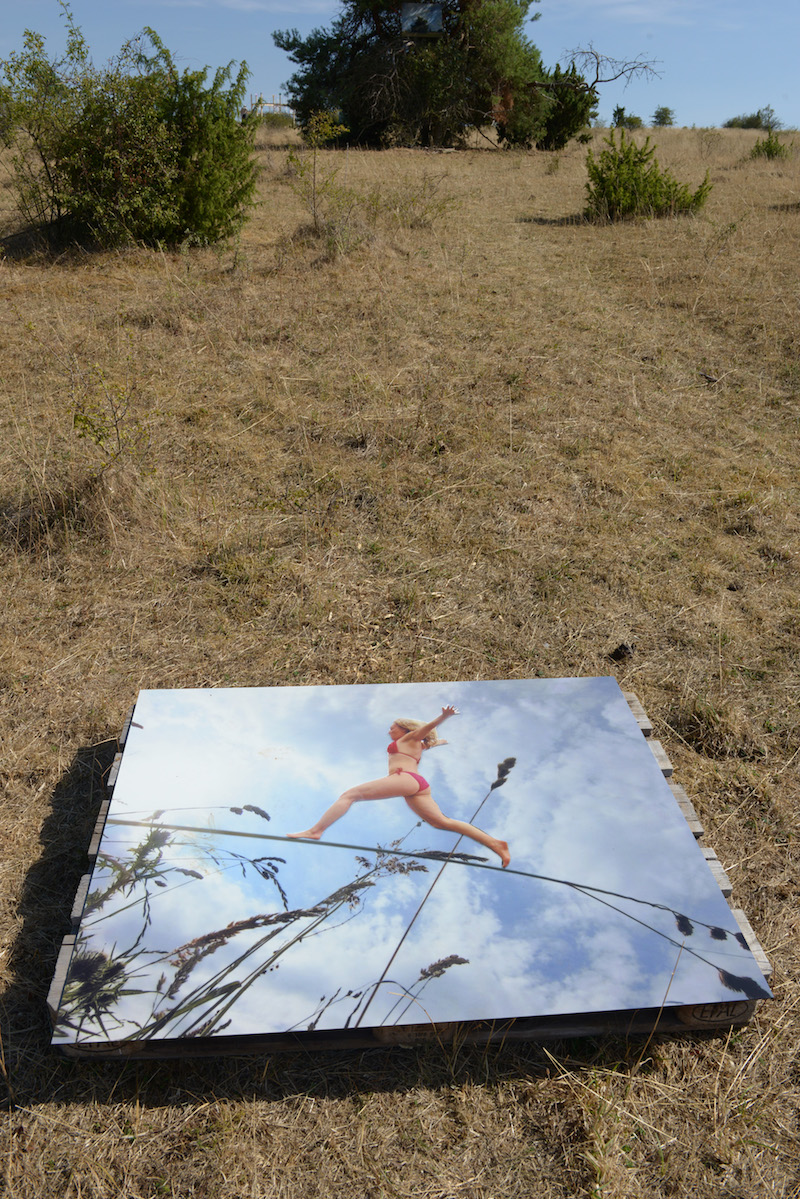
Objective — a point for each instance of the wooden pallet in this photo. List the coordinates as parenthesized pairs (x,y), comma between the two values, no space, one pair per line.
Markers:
(700,1015)
(709,1016)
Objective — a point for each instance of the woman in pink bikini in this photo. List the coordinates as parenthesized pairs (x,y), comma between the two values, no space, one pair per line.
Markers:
(410,739)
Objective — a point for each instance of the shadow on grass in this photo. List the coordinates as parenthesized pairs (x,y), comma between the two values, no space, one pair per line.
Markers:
(50,244)
(554,221)
(30,1070)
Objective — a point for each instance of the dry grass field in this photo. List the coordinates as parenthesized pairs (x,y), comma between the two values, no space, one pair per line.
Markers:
(460,435)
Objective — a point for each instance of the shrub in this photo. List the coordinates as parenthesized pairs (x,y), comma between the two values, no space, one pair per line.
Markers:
(627,181)
(763,119)
(621,119)
(132,152)
(770,147)
(332,207)
(342,218)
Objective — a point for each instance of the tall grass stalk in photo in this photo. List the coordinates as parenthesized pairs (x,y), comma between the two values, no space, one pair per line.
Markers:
(99,981)
(503,770)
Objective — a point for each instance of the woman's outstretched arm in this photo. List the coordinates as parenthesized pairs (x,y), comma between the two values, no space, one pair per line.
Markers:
(422,732)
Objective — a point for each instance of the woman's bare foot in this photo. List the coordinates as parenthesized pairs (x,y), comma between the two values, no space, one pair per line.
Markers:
(308,835)
(503,852)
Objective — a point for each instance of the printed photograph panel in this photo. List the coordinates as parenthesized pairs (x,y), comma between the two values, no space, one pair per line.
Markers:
(205,917)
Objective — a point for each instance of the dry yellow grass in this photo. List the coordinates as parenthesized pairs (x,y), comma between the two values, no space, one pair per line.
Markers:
(494,444)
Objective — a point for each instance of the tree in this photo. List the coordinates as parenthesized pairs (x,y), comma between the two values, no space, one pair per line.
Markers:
(390,87)
(763,119)
(663,117)
(133,151)
(621,119)
(572,105)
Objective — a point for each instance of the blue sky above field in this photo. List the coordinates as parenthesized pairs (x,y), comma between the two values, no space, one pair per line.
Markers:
(716,58)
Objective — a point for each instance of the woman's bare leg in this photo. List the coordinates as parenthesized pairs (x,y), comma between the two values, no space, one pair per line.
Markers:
(391,787)
(424,805)
(333,813)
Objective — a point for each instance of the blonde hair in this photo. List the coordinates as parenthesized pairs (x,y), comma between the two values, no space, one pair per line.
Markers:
(430,742)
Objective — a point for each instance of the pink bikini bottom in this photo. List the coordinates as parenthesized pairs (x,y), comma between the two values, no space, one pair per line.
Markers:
(423,783)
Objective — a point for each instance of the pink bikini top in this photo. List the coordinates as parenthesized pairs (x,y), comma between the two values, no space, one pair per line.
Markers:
(392,749)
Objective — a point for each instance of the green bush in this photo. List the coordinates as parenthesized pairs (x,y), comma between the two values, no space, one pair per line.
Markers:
(131,152)
(627,181)
(763,119)
(770,147)
(621,119)
(663,117)
(572,106)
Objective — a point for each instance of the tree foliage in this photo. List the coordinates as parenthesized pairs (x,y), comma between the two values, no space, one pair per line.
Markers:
(621,119)
(135,151)
(565,106)
(763,119)
(394,89)
(663,117)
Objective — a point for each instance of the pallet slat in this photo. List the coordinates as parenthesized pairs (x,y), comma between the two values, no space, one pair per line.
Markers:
(126,728)
(715,866)
(112,774)
(60,976)
(80,900)
(660,755)
(687,807)
(642,719)
(640,1023)
(100,824)
(764,964)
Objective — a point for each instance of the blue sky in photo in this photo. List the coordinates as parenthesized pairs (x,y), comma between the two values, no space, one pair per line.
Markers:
(585,803)
(716,58)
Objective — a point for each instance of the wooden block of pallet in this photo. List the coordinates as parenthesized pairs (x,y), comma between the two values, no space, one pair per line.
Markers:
(660,755)
(642,719)
(717,1015)
(750,937)
(686,806)
(123,737)
(80,900)
(723,882)
(60,976)
(100,824)
(112,774)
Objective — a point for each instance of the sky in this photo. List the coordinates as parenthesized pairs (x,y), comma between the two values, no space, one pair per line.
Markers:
(585,803)
(716,59)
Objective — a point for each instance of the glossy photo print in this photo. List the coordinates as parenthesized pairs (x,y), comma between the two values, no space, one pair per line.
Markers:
(285,860)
